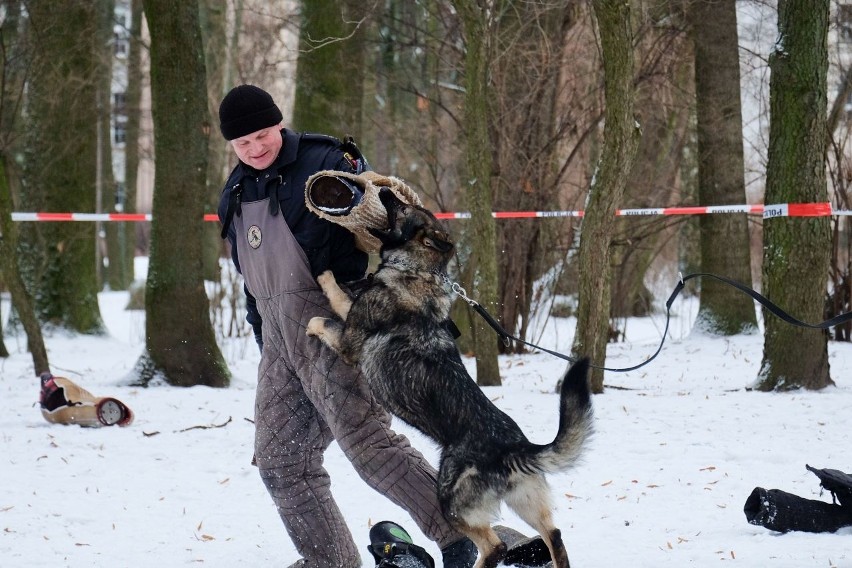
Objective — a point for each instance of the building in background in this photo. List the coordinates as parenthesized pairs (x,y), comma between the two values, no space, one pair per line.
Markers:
(118,122)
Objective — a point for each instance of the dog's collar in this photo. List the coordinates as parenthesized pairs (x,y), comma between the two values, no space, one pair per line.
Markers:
(440,275)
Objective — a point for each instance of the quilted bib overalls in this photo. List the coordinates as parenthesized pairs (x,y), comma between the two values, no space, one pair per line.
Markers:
(307,397)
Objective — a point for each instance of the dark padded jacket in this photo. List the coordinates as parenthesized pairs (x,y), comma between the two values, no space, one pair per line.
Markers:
(327,246)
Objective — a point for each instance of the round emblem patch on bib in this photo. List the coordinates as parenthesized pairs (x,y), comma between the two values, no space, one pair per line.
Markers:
(254,236)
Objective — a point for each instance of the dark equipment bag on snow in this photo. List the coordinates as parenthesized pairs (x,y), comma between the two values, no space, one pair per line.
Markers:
(783,512)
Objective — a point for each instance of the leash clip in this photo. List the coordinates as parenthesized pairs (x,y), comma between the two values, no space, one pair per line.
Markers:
(457,288)
(462,293)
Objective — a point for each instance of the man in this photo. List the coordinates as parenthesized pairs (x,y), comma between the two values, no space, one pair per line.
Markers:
(306,395)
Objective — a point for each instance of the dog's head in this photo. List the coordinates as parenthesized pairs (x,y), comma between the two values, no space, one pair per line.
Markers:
(414,236)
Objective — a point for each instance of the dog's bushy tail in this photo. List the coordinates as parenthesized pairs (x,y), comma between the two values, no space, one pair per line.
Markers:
(575,420)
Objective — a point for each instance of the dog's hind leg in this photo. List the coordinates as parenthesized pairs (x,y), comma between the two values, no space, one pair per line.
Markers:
(339,300)
(470,505)
(530,499)
(492,550)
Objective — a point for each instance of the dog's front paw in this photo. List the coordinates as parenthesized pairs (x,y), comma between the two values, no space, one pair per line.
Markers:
(326,279)
(316,327)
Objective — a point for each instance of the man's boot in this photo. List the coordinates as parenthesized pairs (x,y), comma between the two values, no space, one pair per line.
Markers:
(460,554)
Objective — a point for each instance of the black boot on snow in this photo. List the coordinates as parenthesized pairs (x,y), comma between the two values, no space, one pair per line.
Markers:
(392,547)
(460,554)
(523,551)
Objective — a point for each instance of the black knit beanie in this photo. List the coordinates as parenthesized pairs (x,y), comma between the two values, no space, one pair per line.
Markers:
(246,109)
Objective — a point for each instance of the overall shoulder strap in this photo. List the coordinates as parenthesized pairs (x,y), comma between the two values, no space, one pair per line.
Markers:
(347,146)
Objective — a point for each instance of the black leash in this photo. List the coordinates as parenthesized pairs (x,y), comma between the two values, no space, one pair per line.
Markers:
(765,302)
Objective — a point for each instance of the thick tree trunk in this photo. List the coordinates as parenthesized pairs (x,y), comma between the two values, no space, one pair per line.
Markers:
(213,29)
(181,345)
(61,162)
(330,76)
(621,138)
(21,299)
(480,183)
(797,251)
(721,177)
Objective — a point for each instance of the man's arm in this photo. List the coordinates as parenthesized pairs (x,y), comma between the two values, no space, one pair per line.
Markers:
(254,319)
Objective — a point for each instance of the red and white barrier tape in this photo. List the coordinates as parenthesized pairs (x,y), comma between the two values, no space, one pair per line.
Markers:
(132,217)
(768,212)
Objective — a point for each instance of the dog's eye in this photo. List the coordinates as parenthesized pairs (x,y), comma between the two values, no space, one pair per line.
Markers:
(437,243)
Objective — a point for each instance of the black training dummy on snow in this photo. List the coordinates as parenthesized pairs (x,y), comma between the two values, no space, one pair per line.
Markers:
(783,512)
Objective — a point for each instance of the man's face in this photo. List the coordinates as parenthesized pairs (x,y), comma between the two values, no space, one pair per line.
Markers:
(259,149)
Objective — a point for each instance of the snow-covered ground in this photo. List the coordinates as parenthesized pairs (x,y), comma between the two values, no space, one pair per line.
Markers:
(677,450)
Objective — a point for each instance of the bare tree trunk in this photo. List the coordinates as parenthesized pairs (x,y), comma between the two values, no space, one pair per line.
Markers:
(21,299)
(61,162)
(621,138)
(664,71)
(797,250)
(10,98)
(181,345)
(721,175)
(329,87)
(133,100)
(532,42)
(120,239)
(213,29)
(109,244)
(476,25)
(4,352)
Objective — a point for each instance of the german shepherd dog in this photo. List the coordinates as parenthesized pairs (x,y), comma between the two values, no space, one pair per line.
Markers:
(396,330)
